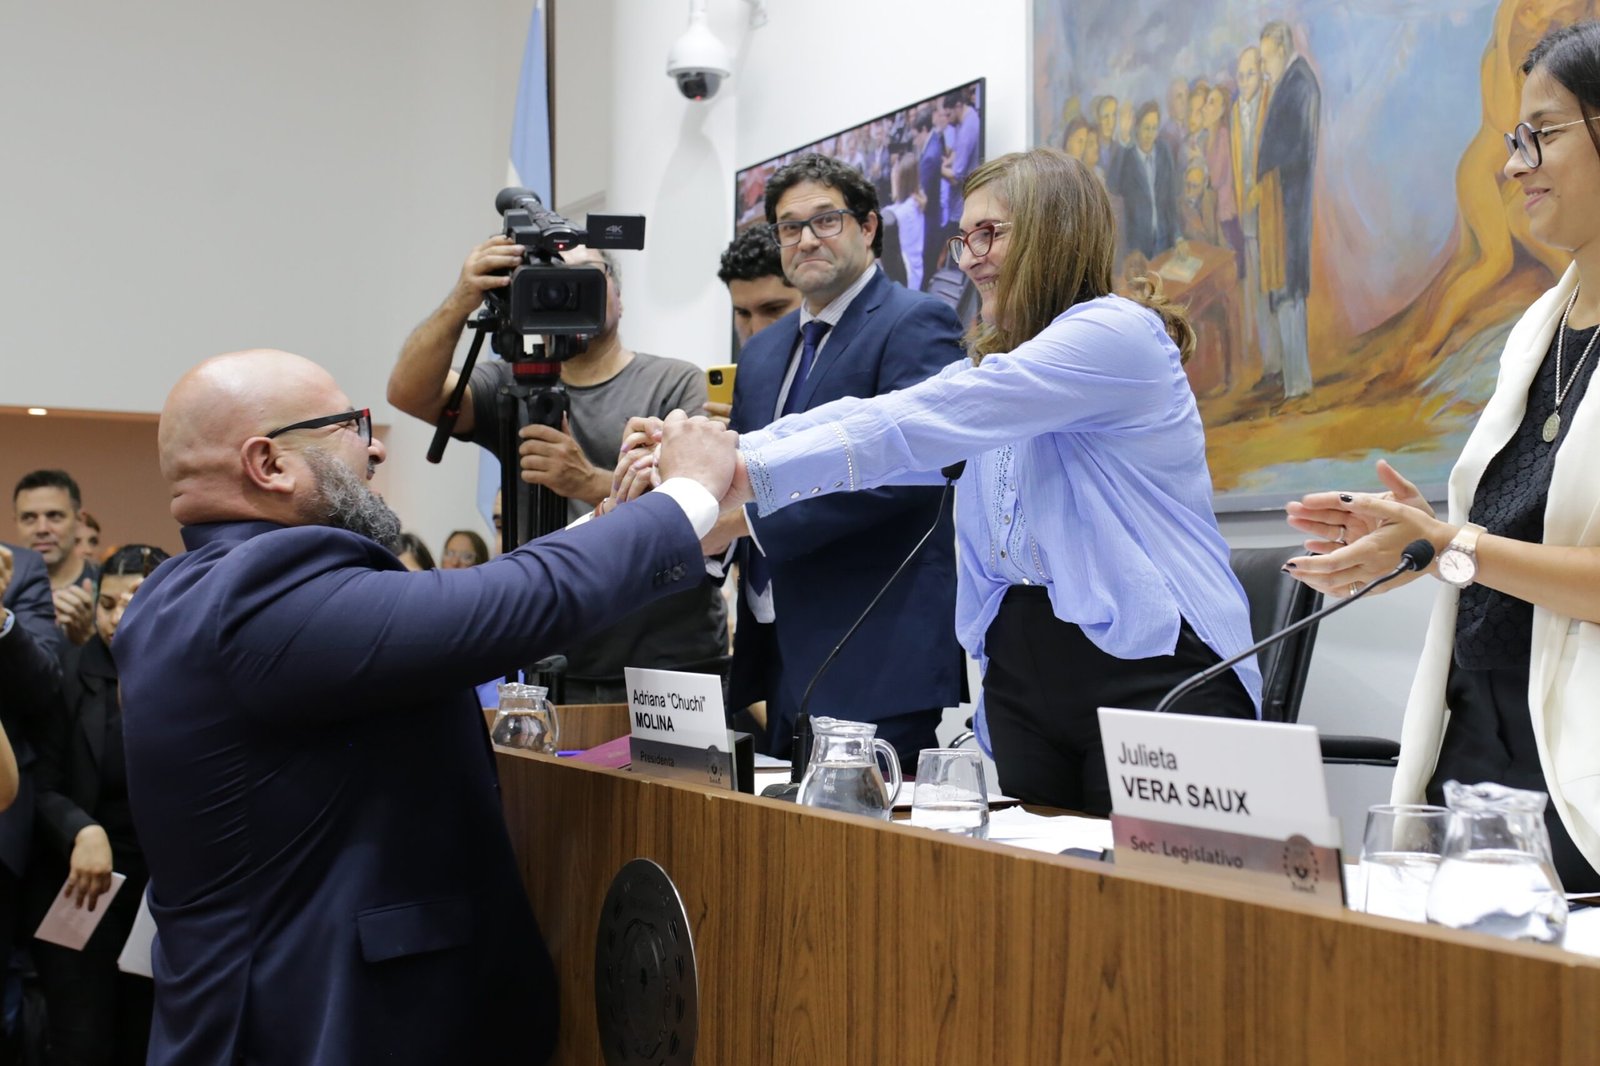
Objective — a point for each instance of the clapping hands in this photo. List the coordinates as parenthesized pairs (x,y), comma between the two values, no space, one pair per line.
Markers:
(1357,537)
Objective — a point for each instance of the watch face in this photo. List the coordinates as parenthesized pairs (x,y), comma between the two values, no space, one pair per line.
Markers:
(1456,566)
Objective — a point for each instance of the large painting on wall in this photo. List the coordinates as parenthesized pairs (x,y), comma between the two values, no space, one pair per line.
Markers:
(1320,182)
(917,157)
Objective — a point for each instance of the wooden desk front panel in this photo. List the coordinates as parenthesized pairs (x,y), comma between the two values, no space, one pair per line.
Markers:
(823,939)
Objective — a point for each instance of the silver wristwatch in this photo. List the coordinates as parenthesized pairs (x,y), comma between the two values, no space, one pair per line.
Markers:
(1458,563)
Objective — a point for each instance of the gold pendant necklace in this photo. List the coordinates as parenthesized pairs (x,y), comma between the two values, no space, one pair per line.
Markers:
(1552,425)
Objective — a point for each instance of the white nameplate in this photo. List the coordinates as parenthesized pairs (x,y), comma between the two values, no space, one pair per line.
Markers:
(678,728)
(676,708)
(1223,797)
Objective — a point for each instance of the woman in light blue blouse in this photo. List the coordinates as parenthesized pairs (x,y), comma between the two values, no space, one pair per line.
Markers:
(1090,568)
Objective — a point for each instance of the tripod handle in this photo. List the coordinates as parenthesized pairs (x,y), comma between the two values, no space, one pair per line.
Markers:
(452,409)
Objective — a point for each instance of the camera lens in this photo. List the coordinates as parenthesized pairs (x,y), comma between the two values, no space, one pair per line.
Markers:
(716,377)
(554,295)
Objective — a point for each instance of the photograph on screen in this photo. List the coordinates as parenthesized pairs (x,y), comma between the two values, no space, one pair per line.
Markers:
(917,157)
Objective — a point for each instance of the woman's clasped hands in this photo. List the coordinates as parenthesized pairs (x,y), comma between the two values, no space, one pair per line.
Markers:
(1356,537)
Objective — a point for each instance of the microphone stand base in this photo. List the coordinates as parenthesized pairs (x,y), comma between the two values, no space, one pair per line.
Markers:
(787,790)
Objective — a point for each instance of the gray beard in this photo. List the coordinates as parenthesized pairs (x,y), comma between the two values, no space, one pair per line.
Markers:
(343,501)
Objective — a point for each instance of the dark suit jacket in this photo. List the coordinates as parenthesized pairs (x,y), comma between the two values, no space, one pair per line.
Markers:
(70,775)
(1289,146)
(313,787)
(828,557)
(1152,225)
(30,692)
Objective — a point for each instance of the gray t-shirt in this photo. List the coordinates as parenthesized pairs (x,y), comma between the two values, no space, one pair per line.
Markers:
(688,630)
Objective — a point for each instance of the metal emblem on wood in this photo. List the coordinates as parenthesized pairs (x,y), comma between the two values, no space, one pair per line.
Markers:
(645,989)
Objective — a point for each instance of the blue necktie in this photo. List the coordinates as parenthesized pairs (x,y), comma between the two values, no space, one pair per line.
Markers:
(811,335)
(757,576)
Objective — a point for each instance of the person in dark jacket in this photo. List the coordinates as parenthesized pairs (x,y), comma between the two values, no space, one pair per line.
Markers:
(98,1015)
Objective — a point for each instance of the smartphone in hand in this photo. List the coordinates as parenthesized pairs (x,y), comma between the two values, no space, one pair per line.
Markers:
(719,383)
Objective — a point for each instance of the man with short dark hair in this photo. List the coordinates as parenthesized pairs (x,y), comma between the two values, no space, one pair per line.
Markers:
(606,384)
(811,569)
(48,504)
(1149,185)
(330,872)
(752,270)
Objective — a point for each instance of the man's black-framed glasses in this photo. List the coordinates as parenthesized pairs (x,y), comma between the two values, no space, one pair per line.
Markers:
(977,240)
(1524,140)
(361,418)
(828,224)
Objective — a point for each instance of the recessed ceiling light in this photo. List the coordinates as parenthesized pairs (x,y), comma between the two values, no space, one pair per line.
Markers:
(38,411)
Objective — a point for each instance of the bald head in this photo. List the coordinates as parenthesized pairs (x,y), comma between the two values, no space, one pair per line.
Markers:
(214,453)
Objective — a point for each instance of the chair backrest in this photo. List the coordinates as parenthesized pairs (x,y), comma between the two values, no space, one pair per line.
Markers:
(1278,600)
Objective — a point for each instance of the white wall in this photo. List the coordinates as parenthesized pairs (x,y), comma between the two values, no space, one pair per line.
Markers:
(186,177)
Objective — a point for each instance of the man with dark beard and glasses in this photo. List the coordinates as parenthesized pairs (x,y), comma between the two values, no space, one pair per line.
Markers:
(330,872)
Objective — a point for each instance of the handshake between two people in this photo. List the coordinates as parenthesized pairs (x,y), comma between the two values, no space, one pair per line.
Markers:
(655,449)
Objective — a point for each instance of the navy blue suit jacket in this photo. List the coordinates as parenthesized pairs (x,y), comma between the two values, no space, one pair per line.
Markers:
(828,557)
(30,692)
(314,791)
(1152,225)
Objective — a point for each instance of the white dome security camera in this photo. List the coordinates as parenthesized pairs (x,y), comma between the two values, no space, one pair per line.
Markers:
(698,61)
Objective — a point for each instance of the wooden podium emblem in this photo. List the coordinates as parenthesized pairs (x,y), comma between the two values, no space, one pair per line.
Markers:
(646,993)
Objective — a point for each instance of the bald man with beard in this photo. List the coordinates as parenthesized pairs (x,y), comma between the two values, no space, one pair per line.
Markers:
(330,872)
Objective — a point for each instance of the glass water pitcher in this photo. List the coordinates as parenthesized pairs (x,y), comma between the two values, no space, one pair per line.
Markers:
(526,719)
(1496,875)
(843,774)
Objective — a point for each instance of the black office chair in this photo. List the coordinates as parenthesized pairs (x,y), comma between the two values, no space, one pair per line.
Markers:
(1276,601)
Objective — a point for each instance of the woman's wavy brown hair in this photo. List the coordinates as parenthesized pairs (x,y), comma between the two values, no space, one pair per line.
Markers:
(1063,250)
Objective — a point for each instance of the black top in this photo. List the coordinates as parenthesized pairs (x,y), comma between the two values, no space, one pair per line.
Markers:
(1494,630)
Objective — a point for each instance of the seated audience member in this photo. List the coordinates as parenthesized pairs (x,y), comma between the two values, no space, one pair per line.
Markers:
(98,1014)
(1505,691)
(88,537)
(413,553)
(47,505)
(462,549)
(753,272)
(330,873)
(1199,207)
(1091,569)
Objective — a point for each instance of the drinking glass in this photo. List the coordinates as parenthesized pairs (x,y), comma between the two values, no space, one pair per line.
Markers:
(951,795)
(1399,856)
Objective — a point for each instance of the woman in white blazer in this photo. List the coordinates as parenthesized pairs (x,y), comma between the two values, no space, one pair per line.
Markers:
(1508,688)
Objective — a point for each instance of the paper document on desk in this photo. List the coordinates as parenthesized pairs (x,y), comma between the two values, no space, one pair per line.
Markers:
(1037,832)
(70,925)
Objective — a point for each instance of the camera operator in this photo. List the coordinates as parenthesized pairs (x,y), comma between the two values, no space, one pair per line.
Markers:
(606,384)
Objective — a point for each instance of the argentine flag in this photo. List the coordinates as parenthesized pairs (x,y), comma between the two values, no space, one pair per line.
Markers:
(529,167)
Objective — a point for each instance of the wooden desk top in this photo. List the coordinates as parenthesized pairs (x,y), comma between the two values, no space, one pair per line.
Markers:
(869,942)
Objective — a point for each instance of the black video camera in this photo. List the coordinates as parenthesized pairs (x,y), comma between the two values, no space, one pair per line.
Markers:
(546,297)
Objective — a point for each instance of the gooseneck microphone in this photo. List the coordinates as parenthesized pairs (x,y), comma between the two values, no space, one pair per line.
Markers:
(800,752)
(1415,556)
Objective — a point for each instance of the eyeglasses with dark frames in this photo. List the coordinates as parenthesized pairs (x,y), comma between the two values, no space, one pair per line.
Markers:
(361,418)
(827,224)
(977,240)
(1524,140)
